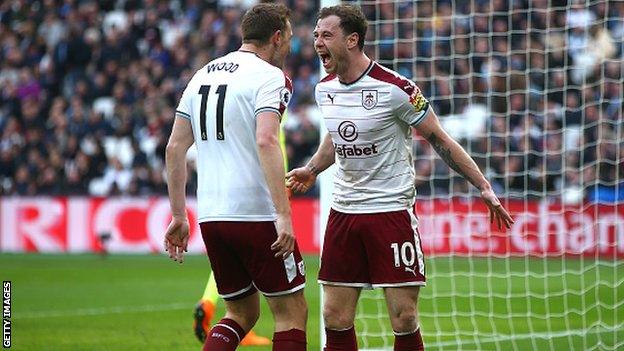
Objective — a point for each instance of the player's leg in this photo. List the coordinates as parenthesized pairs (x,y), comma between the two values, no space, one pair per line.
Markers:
(344,272)
(339,308)
(281,281)
(204,311)
(234,285)
(397,265)
(402,305)
(290,313)
(240,316)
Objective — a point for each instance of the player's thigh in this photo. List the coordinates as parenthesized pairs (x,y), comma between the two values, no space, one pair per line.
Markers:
(289,311)
(344,259)
(339,305)
(272,276)
(233,280)
(393,247)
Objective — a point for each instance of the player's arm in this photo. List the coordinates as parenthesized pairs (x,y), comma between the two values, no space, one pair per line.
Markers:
(177,234)
(302,178)
(455,157)
(272,162)
(323,157)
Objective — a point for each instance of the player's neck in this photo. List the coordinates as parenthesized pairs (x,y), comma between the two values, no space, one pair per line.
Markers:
(355,68)
(263,52)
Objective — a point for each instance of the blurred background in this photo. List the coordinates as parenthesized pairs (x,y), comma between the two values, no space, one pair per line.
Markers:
(533,89)
(89,88)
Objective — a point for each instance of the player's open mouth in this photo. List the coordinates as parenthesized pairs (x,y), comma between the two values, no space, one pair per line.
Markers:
(325,58)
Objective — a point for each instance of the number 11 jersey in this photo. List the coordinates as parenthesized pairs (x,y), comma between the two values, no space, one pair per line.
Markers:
(222,101)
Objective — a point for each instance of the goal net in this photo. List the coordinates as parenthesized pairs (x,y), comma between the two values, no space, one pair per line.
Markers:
(533,90)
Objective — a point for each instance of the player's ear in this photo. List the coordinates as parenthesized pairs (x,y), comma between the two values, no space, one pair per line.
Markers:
(352,40)
(276,38)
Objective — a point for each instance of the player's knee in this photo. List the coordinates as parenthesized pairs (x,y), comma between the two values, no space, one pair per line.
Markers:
(302,307)
(298,308)
(302,315)
(405,320)
(337,318)
(247,318)
(291,309)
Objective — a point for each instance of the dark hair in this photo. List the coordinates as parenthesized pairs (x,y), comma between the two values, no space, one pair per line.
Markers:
(261,21)
(352,20)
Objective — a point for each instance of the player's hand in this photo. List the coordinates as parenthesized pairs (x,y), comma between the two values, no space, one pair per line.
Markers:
(300,179)
(285,243)
(176,239)
(497,212)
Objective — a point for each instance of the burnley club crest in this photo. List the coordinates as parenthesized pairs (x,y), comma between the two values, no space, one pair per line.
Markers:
(369,99)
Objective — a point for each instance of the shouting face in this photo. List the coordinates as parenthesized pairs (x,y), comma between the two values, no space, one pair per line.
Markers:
(330,44)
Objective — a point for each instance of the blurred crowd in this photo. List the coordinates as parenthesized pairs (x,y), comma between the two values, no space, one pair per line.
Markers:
(533,89)
(89,88)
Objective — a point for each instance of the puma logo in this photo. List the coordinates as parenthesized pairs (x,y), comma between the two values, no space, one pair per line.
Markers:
(331,97)
(411,270)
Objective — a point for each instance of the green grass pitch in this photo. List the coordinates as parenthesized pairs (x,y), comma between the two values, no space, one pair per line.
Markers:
(144,302)
(522,303)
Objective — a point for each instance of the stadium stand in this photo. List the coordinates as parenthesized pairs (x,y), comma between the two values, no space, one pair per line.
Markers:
(89,89)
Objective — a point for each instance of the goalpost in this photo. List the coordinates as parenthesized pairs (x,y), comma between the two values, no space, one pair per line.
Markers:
(534,92)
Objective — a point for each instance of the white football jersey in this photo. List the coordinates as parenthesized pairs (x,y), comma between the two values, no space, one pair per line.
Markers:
(370,123)
(222,101)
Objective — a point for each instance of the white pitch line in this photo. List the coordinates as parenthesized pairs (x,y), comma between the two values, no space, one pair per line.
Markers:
(102,311)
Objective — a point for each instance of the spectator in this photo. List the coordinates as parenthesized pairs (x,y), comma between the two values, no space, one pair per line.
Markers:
(116,178)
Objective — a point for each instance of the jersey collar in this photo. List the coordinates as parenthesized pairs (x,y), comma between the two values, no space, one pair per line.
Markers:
(370,66)
(249,52)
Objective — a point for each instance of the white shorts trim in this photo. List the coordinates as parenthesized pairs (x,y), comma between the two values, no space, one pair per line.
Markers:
(398,285)
(236,293)
(290,267)
(420,256)
(282,293)
(351,285)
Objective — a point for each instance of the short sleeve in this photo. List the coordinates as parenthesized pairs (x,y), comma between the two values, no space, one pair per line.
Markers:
(274,95)
(412,106)
(184,106)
